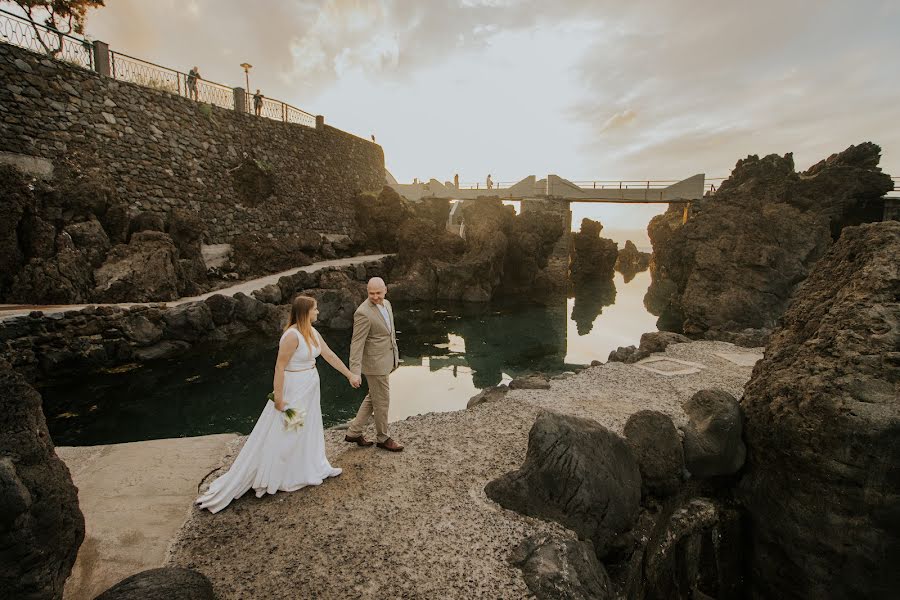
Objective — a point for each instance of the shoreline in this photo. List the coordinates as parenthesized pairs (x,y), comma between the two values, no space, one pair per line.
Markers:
(391,515)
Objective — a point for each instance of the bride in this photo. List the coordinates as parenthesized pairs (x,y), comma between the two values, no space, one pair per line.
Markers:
(275,457)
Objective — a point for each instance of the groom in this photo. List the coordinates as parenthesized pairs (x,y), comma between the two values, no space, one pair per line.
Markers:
(373,352)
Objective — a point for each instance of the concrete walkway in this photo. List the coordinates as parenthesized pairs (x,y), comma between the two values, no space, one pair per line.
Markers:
(134,497)
(8,311)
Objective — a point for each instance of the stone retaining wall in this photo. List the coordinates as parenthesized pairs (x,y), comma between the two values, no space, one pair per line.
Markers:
(239,172)
(46,346)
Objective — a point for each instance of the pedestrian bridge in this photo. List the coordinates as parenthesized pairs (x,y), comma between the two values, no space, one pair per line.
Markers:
(554,186)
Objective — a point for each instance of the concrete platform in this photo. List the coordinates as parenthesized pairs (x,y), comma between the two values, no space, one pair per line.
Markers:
(135,497)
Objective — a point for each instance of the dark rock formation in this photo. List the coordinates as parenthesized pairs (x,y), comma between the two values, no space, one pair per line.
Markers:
(656,445)
(378,219)
(631,261)
(146,221)
(595,257)
(823,430)
(738,259)
(652,341)
(491,394)
(537,255)
(144,270)
(713,444)
(255,253)
(167,583)
(578,473)
(41,526)
(562,569)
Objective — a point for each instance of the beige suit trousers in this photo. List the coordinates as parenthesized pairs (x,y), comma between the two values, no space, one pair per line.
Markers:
(376,403)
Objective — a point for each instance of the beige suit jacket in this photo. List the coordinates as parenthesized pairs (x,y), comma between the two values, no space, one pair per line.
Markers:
(373,350)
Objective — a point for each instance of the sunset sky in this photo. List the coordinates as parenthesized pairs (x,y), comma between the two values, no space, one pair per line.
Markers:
(587,89)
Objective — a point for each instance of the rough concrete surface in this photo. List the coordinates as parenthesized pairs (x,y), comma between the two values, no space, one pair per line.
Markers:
(417,524)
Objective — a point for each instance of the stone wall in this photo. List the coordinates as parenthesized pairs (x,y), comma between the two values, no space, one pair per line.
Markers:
(239,172)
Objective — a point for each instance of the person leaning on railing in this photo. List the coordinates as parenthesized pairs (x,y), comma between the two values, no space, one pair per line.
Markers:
(192,77)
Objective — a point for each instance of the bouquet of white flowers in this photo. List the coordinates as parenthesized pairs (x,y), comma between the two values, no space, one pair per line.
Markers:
(293,419)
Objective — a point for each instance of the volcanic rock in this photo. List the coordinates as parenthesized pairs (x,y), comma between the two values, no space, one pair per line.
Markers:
(822,426)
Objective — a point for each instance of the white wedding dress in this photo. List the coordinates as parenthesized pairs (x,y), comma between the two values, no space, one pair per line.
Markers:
(273,458)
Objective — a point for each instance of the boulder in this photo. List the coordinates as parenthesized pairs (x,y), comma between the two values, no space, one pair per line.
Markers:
(64,279)
(166,583)
(256,254)
(651,342)
(712,437)
(562,569)
(270,294)
(221,308)
(578,473)
(186,229)
(41,526)
(736,262)
(822,418)
(144,270)
(656,445)
(530,382)
(188,322)
(492,394)
(146,221)
(90,239)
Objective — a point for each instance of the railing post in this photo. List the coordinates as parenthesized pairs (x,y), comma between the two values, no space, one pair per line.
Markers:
(101,58)
(320,123)
(284,112)
(240,100)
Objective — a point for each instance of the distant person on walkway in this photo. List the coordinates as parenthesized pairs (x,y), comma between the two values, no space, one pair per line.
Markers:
(456,181)
(373,138)
(278,457)
(192,77)
(257,102)
(489,182)
(373,353)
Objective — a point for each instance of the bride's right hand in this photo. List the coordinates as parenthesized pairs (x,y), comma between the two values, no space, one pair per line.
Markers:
(279,404)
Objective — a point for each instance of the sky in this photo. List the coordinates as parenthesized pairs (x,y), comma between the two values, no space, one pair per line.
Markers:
(585,89)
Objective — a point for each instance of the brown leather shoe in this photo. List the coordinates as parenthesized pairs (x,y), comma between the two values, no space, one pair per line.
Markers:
(359,440)
(390,444)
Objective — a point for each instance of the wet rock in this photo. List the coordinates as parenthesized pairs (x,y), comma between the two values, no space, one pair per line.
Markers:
(712,437)
(656,445)
(823,429)
(562,569)
(492,394)
(530,382)
(167,583)
(595,257)
(578,473)
(41,526)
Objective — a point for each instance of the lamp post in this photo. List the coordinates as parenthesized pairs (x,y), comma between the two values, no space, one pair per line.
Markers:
(247,67)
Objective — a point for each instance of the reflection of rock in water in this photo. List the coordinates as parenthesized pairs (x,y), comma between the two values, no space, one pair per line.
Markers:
(589,302)
(500,337)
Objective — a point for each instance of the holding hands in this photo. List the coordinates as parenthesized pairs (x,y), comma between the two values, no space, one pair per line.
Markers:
(354,380)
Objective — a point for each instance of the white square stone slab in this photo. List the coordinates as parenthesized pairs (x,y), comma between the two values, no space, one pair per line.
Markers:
(663,365)
(742,359)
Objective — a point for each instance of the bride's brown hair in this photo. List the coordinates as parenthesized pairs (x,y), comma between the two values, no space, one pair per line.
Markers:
(300,309)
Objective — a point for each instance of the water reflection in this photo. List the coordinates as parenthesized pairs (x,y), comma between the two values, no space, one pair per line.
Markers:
(448,353)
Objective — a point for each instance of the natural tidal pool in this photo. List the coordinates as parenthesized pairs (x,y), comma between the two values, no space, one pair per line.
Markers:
(448,353)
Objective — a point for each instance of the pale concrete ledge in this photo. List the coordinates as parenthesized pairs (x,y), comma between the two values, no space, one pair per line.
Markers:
(135,497)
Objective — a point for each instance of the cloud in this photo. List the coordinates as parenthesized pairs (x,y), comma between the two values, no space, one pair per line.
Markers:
(584,88)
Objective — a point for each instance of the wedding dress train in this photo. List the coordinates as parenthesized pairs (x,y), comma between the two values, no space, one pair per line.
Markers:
(273,458)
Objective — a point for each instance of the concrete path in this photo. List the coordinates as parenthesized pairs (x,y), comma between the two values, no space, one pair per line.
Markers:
(134,497)
(8,311)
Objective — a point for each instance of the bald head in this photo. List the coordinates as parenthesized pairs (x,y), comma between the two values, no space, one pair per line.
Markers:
(377,290)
